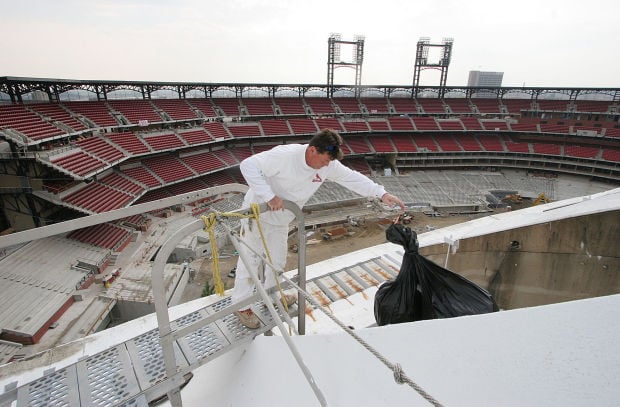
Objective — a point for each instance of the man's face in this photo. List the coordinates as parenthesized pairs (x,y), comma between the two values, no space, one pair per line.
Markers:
(316,160)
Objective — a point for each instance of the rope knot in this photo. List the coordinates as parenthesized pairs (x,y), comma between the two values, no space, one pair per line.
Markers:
(398,374)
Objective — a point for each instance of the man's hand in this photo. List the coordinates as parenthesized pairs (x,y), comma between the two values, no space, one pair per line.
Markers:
(275,204)
(391,200)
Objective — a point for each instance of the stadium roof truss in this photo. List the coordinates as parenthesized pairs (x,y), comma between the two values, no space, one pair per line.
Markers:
(17,87)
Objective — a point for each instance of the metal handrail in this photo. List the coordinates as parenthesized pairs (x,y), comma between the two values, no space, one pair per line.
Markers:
(167,336)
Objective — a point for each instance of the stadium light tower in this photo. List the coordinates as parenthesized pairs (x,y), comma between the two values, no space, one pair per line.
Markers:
(422,62)
(334,61)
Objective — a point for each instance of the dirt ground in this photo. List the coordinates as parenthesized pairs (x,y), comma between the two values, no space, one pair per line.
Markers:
(370,234)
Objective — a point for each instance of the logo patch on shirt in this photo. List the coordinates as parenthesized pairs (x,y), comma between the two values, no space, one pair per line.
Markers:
(317,178)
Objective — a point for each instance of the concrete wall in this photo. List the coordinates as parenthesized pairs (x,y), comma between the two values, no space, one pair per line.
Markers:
(547,263)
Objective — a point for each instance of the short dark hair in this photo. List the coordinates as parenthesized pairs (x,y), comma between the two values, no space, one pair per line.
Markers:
(328,141)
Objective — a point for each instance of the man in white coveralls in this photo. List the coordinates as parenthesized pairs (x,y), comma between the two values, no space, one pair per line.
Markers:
(290,172)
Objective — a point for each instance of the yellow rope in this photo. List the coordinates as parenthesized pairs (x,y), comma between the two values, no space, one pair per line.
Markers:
(210,222)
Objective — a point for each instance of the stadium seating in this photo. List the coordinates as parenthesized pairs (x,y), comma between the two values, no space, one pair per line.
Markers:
(600,106)
(450,124)
(163,142)
(303,126)
(469,142)
(376,105)
(203,163)
(258,106)
(204,106)
(612,132)
(403,143)
(486,106)
(176,109)
(194,184)
(136,111)
(404,105)
(244,130)
(168,168)
(378,125)
(515,106)
(275,127)
(110,138)
(217,130)
(432,106)
(129,142)
(553,105)
(290,106)
(97,198)
(546,148)
(100,148)
(611,155)
(524,126)
(581,151)
(517,147)
(329,123)
(96,112)
(104,235)
(447,143)
(78,162)
(320,105)
(358,145)
(230,106)
(471,123)
(142,175)
(554,128)
(193,137)
(226,156)
(458,105)
(425,142)
(400,123)
(381,144)
(125,184)
(491,142)
(577,128)
(355,126)
(55,112)
(241,153)
(494,125)
(220,178)
(347,105)
(154,195)
(425,123)
(17,117)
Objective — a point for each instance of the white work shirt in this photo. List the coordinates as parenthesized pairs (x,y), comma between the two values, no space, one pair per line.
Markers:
(283,172)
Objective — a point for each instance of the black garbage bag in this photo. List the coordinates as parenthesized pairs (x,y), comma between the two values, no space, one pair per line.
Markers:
(425,290)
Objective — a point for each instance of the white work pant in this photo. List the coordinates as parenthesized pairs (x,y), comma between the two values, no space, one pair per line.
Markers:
(276,237)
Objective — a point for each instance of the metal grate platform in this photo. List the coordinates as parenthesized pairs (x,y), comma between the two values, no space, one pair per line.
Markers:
(131,373)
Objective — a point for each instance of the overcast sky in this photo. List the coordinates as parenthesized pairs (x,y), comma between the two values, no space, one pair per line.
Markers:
(562,43)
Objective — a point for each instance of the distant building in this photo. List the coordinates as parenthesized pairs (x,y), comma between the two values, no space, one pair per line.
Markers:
(480,78)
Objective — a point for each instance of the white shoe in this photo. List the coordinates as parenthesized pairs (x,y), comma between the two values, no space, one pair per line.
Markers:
(248,318)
